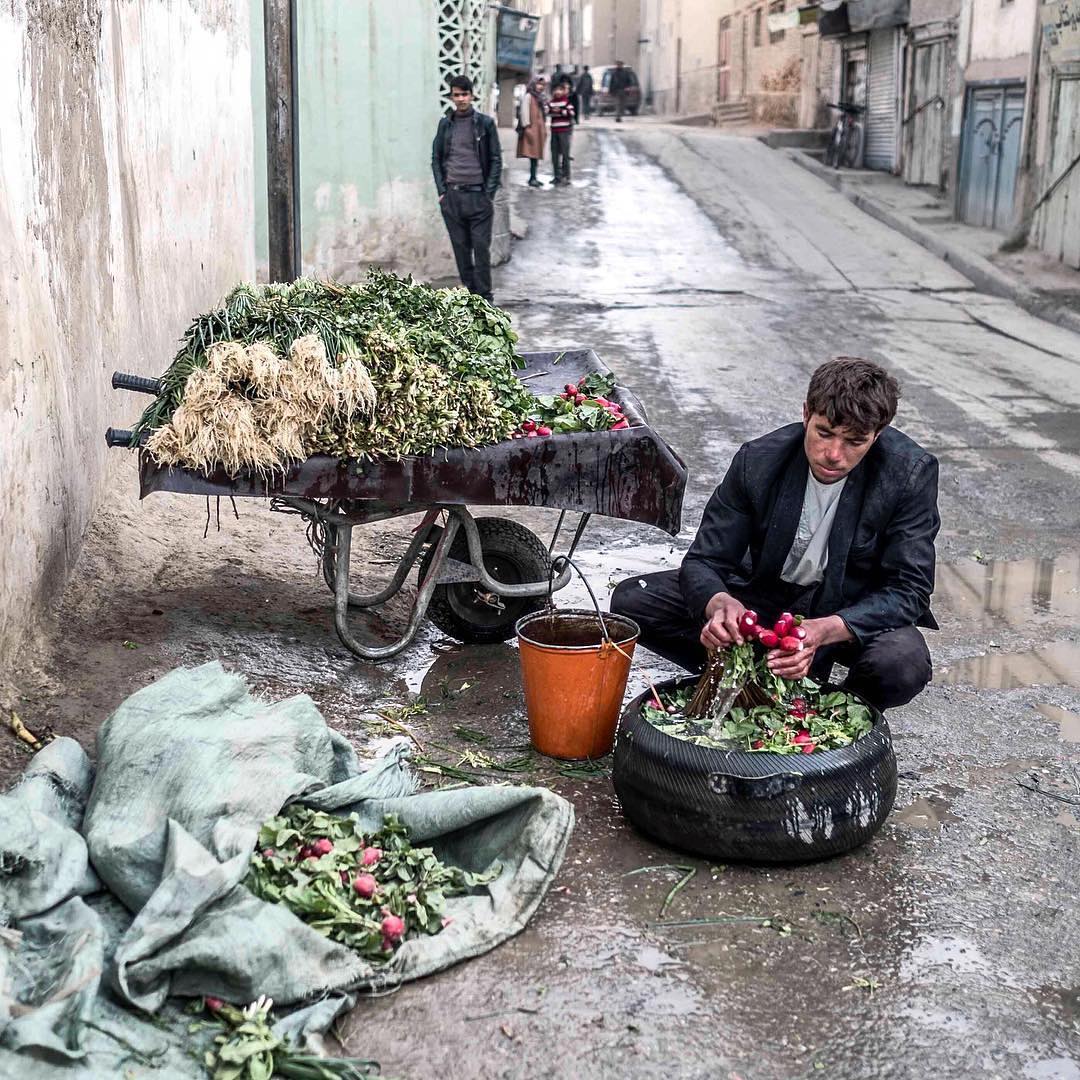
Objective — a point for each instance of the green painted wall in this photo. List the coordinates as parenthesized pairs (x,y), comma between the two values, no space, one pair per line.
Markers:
(368,110)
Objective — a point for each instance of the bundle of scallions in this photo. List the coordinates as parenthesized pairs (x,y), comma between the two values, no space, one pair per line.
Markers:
(384,368)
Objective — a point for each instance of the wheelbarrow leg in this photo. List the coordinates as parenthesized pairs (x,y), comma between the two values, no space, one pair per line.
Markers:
(343,544)
(332,557)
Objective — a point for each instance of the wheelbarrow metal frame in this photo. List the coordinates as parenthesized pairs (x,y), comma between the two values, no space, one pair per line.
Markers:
(339,520)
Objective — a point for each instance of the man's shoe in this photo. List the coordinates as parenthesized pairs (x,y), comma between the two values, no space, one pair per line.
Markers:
(553,180)
(618,119)
(535,183)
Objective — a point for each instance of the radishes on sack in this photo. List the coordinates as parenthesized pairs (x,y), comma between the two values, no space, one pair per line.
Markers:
(369,891)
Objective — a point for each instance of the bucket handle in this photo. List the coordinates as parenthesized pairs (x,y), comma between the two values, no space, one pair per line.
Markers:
(557,566)
(560,564)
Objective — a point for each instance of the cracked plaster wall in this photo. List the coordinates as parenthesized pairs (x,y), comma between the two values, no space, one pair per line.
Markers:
(126,207)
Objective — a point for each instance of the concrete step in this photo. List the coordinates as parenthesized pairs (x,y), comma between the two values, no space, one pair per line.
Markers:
(733,112)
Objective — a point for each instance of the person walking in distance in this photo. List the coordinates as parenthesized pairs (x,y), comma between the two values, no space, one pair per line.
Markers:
(620,83)
(531,127)
(585,92)
(561,113)
(466,161)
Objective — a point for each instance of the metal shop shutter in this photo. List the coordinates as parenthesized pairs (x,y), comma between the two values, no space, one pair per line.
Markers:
(882,100)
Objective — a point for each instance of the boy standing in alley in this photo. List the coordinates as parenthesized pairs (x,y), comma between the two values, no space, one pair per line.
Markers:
(561,112)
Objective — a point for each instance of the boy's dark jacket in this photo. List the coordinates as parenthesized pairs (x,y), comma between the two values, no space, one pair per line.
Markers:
(486,135)
(880,570)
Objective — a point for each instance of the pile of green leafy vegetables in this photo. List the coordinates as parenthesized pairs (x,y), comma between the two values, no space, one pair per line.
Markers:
(381,369)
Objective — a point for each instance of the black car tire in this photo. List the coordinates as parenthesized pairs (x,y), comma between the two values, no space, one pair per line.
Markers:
(512,554)
(755,807)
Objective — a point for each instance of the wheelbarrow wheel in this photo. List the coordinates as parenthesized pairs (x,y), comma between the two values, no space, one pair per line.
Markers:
(512,555)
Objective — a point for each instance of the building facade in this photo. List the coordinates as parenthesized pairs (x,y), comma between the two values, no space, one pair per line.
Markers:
(578,32)
(760,62)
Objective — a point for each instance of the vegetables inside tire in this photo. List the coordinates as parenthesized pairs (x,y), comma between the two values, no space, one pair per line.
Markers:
(513,555)
(753,806)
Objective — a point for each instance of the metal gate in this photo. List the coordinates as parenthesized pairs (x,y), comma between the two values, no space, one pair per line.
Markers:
(990,155)
(1057,221)
(882,100)
(924,163)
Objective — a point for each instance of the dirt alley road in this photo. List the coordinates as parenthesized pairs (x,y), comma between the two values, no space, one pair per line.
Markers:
(713,275)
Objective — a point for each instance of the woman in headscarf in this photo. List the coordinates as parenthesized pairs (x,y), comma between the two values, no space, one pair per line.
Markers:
(531,127)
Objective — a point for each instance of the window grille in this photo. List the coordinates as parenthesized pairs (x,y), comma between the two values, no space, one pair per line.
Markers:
(466,44)
(778,35)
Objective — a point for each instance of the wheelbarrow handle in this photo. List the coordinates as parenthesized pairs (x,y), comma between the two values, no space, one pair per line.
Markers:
(118,437)
(121,380)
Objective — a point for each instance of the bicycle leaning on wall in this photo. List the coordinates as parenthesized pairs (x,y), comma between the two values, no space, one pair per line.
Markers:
(846,142)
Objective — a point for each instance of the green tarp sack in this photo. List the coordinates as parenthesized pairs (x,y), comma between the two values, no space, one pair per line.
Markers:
(121,886)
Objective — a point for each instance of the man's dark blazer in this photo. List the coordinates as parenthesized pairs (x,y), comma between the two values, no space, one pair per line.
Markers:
(880,570)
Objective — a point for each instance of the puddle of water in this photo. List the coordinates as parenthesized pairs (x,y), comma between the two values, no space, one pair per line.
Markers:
(960,955)
(1062,1001)
(1052,1069)
(1056,664)
(927,812)
(1013,593)
(976,774)
(652,959)
(1067,721)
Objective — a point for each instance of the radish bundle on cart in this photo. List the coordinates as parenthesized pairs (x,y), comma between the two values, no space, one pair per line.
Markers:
(351,404)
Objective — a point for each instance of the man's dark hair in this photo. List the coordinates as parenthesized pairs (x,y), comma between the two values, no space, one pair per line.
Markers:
(461,82)
(854,393)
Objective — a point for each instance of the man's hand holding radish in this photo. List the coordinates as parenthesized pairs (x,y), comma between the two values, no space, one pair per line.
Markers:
(725,617)
(793,654)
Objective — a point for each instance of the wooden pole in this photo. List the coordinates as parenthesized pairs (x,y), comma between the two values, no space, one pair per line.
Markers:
(282,140)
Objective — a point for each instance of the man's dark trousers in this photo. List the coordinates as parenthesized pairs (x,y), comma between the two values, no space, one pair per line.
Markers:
(469,214)
(888,671)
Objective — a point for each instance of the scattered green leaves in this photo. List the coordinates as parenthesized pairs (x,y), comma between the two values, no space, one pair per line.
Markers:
(687,873)
(248,1049)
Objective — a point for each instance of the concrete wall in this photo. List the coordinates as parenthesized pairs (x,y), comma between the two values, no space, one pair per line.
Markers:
(125,209)
(657,53)
(996,40)
(368,86)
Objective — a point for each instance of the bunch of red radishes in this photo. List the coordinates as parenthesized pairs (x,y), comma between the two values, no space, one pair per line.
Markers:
(365,885)
(786,633)
(532,429)
(576,395)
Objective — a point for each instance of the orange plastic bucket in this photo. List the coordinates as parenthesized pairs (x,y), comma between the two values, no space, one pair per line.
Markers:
(575,679)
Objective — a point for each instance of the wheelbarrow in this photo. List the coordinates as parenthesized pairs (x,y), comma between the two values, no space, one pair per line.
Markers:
(477,575)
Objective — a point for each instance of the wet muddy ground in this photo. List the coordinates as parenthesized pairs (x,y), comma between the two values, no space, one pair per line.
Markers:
(712,275)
